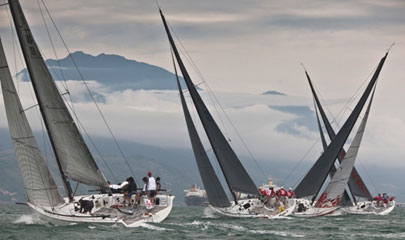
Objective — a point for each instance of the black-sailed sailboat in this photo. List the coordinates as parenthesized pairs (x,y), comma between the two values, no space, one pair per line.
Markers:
(356,185)
(237,179)
(315,178)
(72,155)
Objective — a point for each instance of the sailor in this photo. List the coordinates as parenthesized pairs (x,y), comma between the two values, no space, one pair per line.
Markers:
(158,185)
(379,199)
(151,187)
(115,188)
(290,193)
(283,195)
(130,189)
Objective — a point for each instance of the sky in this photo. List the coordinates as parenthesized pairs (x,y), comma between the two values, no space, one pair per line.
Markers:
(242,49)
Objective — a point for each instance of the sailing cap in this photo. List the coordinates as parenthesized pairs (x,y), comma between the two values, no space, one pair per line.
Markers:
(149,173)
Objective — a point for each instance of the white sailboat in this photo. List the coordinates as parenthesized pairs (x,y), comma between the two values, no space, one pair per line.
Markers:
(236,177)
(73,157)
(330,200)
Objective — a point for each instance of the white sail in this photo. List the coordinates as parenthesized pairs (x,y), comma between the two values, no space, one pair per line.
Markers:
(332,195)
(72,154)
(39,185)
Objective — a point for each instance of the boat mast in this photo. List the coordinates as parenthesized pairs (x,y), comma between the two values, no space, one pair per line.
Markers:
(28,43)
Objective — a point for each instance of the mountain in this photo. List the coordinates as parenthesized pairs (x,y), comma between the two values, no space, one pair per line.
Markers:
(273,93)
(113,71)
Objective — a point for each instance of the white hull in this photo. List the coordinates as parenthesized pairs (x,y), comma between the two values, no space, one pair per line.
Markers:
(368,207)
(311,211)
(254,208)
(105,211)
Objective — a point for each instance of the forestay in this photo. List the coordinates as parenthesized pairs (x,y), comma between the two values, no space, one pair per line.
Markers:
(235,174)
(69,147)
(40,187)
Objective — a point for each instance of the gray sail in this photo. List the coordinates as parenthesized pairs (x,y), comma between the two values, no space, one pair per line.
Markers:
(235,174)
(356,184)
(69,147)
(346,201)
(215,193)
(314,179)
(332,195)
(40,187)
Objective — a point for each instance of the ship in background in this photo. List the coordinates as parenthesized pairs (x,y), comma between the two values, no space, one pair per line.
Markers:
(196,196)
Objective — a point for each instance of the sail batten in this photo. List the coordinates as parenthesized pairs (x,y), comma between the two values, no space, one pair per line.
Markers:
(235,174)
(356,184)
(73,156)
(314,179)
(39,185)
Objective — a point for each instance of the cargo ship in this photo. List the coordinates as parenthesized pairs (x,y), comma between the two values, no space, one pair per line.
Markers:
(195,196)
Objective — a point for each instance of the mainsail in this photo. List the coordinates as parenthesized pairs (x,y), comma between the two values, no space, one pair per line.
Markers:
(40,187)
(346,201)
(333,193)
(356,184)
(71,152)
(235,174)
(215,193)
(314,179)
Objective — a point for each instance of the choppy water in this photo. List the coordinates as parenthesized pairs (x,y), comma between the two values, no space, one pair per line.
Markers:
(19,222)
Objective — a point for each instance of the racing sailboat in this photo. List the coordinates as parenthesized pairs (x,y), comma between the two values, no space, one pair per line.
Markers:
(73,157)
(236,176)
(356,185)
(315,178)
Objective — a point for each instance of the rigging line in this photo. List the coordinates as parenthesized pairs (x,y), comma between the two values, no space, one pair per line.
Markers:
(299,162)
(89,91)
(53,47)
(351,99)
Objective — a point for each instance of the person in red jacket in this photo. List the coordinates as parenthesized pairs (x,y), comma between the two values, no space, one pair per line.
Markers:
(290,193)
(282,194)
(379,199)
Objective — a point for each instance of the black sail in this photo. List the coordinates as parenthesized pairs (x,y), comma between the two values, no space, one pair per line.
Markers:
(356,184)
(314,179)
(215,193)
(346,201)
(235,174)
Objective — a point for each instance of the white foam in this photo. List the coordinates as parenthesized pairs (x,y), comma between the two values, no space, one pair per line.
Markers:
(155,228)
(209,213)
(92,227)
(28,219)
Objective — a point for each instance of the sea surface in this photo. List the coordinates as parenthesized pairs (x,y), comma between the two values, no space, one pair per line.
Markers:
(19,222)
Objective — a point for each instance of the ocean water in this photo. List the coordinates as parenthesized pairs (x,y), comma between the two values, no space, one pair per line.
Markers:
(19,222)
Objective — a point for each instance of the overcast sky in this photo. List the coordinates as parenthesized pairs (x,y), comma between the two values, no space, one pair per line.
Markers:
(242,48)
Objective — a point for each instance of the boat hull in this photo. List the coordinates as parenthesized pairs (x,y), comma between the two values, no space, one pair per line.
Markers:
(309,211)
(107,210)
(254,208)
(370,207)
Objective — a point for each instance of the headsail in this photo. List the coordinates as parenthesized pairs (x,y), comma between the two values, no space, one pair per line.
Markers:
(356,184)
(333,193)
(39,184)
(314,179)
(69,147)
(346,201)
(215,193)
(235,174)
